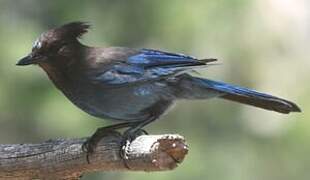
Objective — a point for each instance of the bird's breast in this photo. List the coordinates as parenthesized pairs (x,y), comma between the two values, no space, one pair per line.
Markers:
(124,103)
(133,102)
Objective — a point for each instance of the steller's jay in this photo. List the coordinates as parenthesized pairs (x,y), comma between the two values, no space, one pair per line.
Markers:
(135,86)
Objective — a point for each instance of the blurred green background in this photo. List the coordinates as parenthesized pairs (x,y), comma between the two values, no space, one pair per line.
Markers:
(261,44)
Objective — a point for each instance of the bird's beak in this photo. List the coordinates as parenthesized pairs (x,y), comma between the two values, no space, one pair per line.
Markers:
(26,61)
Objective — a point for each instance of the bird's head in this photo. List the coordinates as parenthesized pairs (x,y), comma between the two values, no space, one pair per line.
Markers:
(55,43)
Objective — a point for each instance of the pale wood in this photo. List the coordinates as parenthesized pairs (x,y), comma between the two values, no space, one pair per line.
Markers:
(64,158)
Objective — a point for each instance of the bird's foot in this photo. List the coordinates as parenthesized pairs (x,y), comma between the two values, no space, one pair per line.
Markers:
(128,137)
(90,145)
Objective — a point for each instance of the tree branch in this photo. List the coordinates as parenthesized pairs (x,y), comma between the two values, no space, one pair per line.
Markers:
(64,159)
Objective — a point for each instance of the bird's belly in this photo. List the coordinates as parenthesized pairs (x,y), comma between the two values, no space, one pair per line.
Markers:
(128,103)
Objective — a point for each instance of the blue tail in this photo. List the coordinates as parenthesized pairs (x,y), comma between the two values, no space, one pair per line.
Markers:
(247,96)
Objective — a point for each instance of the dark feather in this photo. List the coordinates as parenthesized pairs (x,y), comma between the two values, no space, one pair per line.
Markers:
(250,97)
(73,29)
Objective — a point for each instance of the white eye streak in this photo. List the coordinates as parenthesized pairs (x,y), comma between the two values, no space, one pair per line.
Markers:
(37,44)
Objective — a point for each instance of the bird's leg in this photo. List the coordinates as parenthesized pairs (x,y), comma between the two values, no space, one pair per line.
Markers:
(135,130)
(90,145)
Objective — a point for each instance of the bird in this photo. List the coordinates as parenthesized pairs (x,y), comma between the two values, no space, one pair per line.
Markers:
(132,87)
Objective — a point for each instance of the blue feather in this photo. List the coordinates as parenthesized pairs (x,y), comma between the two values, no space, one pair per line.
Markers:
(233,89)
(229,88)
(150,58)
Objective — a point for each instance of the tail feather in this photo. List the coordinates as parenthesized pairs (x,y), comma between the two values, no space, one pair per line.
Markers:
(250,97)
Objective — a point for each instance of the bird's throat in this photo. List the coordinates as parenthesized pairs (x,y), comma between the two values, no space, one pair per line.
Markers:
(56,75)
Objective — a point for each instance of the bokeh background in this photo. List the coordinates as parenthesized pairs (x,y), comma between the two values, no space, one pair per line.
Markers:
(261,44)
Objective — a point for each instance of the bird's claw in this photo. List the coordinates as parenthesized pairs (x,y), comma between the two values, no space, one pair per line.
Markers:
(90,144)
(128,137)
(88,147)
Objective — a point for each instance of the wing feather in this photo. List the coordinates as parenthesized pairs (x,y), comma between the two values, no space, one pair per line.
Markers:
(148,65)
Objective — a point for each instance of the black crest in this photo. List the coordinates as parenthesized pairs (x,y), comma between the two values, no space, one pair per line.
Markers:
(72,30)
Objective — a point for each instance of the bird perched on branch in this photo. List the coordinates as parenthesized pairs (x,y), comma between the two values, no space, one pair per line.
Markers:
(131,86)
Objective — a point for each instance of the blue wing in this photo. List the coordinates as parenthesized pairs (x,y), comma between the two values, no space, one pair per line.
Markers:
(154,58)
(148,65)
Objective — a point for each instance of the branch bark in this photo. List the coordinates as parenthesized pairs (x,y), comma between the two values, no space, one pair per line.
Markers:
(64,159)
